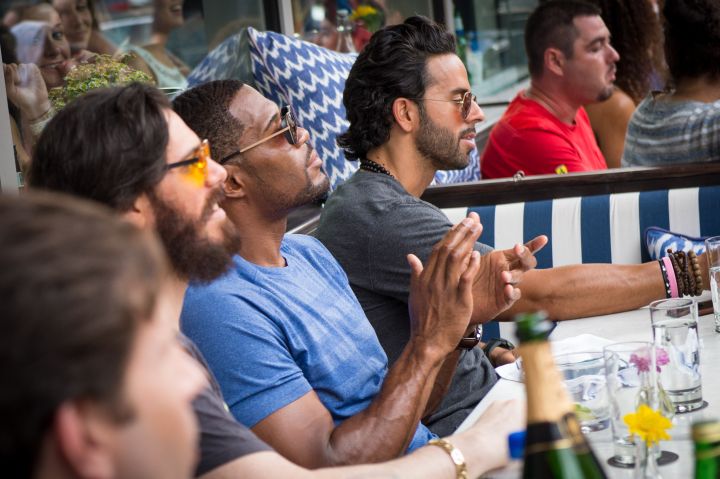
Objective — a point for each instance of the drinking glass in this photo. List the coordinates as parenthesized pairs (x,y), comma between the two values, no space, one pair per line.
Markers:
(629,373)
(712,248)
(675,331)
(584,377)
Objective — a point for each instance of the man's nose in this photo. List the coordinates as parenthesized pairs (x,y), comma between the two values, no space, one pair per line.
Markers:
(216,174)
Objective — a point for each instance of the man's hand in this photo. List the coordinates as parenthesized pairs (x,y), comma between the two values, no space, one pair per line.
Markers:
(495,288)
(26,89)
(489,434)
(441,299)
(500,356)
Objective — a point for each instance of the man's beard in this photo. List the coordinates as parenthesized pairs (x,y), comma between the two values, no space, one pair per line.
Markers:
(312,192)
(440,146)
(605,94)
(284,201)
(193,256)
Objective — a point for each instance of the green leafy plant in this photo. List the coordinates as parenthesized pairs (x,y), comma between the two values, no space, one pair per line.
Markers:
(100,72)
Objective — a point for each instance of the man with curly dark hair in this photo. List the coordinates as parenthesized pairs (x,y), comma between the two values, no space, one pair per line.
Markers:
(637,37)
(682,124)
(421,117)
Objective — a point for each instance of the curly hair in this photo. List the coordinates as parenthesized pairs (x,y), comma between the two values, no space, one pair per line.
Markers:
(637,37)
(205,110)
(692,38)
(392,65)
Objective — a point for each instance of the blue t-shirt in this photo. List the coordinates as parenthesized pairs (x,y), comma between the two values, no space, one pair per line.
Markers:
(271,335)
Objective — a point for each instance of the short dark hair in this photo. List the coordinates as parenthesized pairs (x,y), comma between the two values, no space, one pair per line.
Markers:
(392,65)
(551,25)
(108,145)
(692,38)
(75,285)
(205,110)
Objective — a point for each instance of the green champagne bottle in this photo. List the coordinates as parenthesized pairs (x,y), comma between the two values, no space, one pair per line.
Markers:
(555,447)
(706,436)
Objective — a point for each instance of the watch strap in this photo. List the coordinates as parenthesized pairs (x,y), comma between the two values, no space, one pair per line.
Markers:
(456,456)
(497,343)
(472,339)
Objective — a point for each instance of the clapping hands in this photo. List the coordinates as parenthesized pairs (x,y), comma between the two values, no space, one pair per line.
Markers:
(501,271)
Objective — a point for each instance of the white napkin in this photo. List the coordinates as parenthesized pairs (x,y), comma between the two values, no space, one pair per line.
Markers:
(575,344)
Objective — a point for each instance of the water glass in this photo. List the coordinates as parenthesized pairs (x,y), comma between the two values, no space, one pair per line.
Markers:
(712,248)
(675,331)
(631,381)
(584,377)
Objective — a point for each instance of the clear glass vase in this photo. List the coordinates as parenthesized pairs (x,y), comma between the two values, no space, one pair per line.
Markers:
(646,466)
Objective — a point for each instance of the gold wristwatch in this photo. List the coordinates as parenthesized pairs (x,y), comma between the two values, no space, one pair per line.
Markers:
(456,456)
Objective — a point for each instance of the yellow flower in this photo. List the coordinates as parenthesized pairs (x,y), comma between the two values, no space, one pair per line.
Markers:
(649,424)
(363,11)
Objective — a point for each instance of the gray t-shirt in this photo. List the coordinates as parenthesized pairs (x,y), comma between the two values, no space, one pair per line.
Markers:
(662,133)
(370,224)
(222,438)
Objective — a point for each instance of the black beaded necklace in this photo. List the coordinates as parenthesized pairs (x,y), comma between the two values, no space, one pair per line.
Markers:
(370,165)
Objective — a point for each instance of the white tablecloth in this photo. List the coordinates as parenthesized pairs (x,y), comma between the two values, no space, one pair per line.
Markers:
(631,326)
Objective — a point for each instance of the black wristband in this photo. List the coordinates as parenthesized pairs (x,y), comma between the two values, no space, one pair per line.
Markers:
(666,281)
(497,343)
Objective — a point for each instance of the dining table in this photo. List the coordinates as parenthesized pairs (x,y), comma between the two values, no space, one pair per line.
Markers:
(621,327)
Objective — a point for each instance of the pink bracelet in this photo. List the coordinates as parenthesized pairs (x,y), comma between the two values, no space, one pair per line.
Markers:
(671,277)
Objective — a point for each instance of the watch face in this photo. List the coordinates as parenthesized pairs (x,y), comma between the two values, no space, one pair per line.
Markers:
(457,456)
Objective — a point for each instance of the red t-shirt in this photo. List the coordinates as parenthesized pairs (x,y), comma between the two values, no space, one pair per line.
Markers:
(530,138)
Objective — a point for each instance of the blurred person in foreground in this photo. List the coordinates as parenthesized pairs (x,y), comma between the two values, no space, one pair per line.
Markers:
(94,382)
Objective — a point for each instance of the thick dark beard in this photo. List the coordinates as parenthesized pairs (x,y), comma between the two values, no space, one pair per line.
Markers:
(439,145)
(192,255)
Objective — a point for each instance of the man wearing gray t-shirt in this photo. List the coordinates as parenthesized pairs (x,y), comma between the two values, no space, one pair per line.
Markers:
(411,113)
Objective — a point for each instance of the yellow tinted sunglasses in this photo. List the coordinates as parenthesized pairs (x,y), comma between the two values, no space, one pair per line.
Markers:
(196,167)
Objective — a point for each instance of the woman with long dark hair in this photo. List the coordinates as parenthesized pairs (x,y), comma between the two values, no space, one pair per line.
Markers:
(637,37)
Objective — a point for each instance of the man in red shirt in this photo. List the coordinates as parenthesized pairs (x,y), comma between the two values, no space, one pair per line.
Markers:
(545,129)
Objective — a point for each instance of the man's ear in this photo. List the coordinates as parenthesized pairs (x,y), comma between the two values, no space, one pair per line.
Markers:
(141,212)
(85,438)
(406,114)
(555,61)
(235,183)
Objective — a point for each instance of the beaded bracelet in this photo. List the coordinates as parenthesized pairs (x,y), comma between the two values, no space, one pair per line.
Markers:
(686,271)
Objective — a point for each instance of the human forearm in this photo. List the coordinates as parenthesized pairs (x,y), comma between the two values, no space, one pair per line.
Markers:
(393,415)
(442,382)
(577,291)
(427,463)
